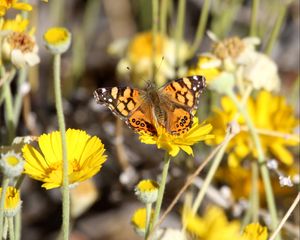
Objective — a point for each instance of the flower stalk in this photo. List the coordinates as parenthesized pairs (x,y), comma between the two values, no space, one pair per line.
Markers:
(19,96)
(161,189)
(11,228)
(9,111)
(179,29)
(148,217)
(254,10)
(261,160)
(4,186)
(201,27)
(215,164)
(154,36)
(62,128)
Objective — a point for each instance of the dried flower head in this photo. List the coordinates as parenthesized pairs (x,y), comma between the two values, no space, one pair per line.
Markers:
(21,49)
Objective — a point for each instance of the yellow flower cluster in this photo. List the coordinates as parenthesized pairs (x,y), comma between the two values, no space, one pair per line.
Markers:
(269,113)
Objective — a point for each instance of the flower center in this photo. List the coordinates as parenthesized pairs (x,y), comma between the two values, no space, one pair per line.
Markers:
(53,167)
(76,166)
(230,47)
(56,35)
(21,41)
(12,160)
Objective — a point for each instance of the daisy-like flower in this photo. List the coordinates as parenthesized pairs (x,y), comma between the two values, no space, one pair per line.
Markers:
(138,220)
(11,164)
(57,40)
(21,49)
(268,112)
(254,231)
(85,158)
(174,143)
(12,202)
(213,225)
(147,191)
(19,24)
(138,58)
(240,58)
(7,4)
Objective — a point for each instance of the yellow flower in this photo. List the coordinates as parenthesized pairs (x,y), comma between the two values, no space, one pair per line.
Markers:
(235,177)
(7,4)
(85,158)
(213,225)
(12,201)
(17,25)
(139,58)
(254,231)
(57,39)
(173,143)
(138,220)
(268,112)
(147,191)
(207,66)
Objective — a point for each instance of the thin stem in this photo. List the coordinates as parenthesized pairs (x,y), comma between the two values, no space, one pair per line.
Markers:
(253,30)
(62,128)
(215,164)
(286,216)
(11,228)
(18,225)
(9,111)
(19,96)
(276,29)
(163,17)
(255,193)
(4,186)
(148,217)
(161,189)
(179,29)
(188,182)
(201,27)
(261,160)
(154,36)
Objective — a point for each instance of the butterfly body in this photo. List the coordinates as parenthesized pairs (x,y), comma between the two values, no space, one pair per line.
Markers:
(170,106)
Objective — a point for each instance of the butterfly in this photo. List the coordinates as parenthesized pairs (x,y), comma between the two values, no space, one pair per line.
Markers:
(171,106)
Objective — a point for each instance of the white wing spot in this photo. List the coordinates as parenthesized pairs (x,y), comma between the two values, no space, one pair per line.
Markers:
(194,88)
(103,90)
(104,98)
(195,77)
(110,100)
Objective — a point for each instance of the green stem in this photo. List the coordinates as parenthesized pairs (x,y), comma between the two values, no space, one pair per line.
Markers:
(179,29)
(18,225)
(154,36)
(9,112)
(148,217)
(62,128)
(261,160)
(253,30)
(255,193)
(215,164)
(11,228)
(163,16)
(161,189)
(276,29)
(201,27)
(19,96)
(4,186)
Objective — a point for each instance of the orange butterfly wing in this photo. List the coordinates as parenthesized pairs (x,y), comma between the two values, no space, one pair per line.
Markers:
(184,96)
(127,104)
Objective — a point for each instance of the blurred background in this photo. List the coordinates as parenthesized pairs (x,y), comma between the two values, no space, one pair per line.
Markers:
(101,31)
